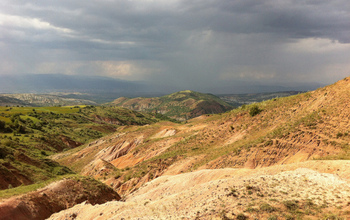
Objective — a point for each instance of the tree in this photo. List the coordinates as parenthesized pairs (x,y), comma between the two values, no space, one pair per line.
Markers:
(21,129)
(2,125)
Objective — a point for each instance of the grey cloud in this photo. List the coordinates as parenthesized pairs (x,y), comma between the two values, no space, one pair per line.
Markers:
(195,40)
(240,16)
(326,19)
(147,24)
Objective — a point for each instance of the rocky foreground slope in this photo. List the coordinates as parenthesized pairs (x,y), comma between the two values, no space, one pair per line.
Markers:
(307,190)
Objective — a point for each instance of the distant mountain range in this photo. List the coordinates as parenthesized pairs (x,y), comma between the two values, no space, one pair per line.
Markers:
(29,99)
(49,83)
(60,89)
(237,100)
(109,88)
(169,104)
(10,101)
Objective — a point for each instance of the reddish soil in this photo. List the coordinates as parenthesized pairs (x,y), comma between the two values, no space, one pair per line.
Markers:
(54,198)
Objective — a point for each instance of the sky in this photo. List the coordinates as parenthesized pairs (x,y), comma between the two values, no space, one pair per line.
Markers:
(203,45)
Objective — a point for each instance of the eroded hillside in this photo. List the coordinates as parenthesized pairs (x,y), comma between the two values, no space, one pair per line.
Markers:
(55,197)
(29,135)
(308,126)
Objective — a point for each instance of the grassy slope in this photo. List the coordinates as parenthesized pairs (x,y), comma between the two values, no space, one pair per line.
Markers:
(30,134)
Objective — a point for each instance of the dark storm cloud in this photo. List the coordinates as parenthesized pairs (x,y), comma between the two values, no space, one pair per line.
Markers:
(176,42)
(329,19)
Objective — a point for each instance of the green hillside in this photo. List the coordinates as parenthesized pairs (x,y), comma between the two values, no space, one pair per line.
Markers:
(181,105)
(30,134)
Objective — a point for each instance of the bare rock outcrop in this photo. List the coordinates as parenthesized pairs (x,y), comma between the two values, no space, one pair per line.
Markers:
(55,197)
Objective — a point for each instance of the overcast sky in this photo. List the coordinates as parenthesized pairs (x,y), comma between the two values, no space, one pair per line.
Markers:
(203,45)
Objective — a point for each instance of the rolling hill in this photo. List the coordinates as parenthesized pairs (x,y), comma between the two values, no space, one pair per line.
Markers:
(181,105)
(284,158)
(266,143)
(10,101)
(29,135)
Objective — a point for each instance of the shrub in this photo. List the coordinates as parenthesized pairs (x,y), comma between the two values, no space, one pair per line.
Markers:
(250,210)
(254,110)
(291,205)
(267,208)
(268,143)
(339,135)
(332,217)
(241,216)
(272,217)
(248,187)
(289,217)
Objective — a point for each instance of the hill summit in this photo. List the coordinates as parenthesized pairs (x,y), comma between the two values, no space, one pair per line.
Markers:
(181,105)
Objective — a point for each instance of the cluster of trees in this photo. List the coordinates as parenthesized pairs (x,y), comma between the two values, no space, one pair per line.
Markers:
(18,125)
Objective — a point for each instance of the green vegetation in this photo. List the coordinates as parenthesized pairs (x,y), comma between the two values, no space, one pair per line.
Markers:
(90,185)
(332,216)
(30,134)
(32,187)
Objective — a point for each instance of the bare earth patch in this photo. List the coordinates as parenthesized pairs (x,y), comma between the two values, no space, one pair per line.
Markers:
(55,197)
(283,190)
